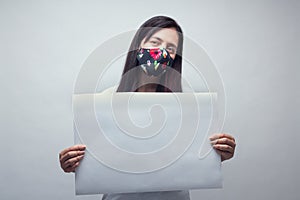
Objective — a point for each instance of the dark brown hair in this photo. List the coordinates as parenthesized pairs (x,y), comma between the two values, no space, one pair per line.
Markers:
(171,81)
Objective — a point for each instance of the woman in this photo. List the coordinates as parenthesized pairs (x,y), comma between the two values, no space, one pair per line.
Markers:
(155,48)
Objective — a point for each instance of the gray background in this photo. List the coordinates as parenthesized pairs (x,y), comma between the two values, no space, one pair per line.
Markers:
(255,45)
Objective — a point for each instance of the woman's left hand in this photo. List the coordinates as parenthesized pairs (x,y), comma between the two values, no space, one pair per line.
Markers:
(224,144)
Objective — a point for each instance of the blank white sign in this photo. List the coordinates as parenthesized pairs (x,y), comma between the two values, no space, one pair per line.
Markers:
(138,142)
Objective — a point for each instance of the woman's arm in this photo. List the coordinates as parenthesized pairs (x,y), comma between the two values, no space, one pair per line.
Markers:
(224,145)
(70,158)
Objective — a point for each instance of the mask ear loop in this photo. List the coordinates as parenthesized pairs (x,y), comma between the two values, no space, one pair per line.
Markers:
(142,65)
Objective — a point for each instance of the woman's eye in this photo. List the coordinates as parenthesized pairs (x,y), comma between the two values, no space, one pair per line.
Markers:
(171,50)
(154,42)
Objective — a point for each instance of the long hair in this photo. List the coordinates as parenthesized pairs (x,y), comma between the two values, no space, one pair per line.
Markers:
(170,81)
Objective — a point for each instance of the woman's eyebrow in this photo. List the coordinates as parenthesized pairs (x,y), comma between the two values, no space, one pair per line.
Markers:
(157,38)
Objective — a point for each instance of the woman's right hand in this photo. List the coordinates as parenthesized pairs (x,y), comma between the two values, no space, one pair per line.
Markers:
(70,158)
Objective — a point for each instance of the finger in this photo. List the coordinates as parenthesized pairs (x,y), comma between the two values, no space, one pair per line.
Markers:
(71,169)
(78,147)
(227,141)
(221,135)
(224,147)
(71,154)
(71,162)
(75,166)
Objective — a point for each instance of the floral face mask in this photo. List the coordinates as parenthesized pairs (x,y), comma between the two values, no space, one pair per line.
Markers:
(154,61)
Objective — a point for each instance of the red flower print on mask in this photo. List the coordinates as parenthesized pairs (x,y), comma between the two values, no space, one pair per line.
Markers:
(155,53)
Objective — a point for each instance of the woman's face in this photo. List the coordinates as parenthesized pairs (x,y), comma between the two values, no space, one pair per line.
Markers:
(165,38)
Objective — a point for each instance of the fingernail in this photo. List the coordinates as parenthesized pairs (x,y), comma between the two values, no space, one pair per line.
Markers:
(214,142)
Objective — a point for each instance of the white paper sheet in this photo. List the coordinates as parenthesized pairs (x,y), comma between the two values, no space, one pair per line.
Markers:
(138,142)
